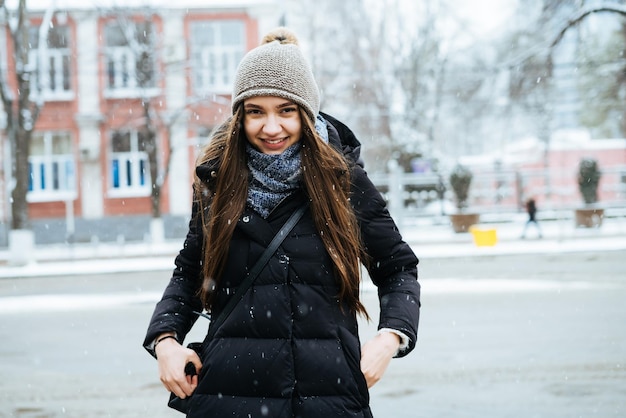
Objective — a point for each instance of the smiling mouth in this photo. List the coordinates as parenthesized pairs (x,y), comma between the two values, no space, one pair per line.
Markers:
(274,141)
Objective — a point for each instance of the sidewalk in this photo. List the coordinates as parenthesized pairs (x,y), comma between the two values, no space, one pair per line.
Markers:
(439,241)
(429,238)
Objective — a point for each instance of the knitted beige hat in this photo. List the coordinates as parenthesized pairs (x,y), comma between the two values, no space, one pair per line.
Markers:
(277,68)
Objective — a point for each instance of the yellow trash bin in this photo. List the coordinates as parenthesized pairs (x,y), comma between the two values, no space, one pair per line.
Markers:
(484,237)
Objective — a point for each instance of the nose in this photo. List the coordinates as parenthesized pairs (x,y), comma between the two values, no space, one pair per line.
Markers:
(272,126)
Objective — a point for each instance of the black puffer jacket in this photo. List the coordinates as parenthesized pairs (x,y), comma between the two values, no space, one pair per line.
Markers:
(288,349)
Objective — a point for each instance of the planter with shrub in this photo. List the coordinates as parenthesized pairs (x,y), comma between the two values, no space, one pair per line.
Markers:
(460,181)
(589,175)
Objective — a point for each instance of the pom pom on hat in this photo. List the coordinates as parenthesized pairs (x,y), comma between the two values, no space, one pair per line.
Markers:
(277,68)
(280,34)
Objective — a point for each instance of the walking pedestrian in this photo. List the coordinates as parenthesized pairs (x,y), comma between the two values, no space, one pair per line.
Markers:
(289,346)
(531,210)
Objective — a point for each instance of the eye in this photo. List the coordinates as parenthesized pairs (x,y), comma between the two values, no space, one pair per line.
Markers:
(289,109)
(252,111)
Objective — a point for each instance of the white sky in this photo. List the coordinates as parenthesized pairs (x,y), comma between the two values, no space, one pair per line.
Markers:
(485,16)
(468,22)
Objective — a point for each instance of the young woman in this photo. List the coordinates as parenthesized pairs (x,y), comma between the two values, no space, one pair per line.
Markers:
(290,347)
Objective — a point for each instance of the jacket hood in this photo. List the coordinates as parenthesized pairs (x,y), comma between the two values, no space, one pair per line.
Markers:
(343,139)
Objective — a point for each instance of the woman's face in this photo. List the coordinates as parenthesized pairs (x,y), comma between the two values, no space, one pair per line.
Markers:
(272,124)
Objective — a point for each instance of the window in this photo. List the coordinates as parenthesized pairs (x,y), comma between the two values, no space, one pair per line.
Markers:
(129,58)
(201,139)
(51,166)
(129,171)
(216,49)
(52,62)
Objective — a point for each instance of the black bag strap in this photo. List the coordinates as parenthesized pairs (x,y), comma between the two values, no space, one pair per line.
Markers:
(256,269)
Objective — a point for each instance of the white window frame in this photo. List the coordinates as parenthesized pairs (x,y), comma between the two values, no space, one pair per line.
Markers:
(46,165)
(128,169)
(124,62)
(214,65)
(47,61)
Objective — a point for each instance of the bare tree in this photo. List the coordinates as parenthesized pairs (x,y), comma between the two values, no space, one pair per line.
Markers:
(395,90)
(609,88)
(18,98)
(152,121)
(354,60)
(531,62)
(530,49)
(141,39)
(585,11)
(383,67)
(602,68)
(422,74)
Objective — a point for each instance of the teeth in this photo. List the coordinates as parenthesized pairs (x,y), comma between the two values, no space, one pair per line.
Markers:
(276,141)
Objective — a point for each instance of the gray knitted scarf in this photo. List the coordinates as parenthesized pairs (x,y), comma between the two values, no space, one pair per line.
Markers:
(274,177)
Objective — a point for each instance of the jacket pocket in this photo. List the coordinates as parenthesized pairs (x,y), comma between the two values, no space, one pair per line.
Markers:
(182,405)
(351,351)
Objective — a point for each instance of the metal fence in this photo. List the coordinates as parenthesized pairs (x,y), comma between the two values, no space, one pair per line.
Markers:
(427,194)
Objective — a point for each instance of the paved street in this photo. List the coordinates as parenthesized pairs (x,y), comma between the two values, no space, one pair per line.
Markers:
(501,336)
(519,336)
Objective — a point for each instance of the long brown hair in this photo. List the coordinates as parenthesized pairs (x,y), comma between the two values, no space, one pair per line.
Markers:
(326,179)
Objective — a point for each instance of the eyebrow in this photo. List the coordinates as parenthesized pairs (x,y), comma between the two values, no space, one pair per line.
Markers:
(280,106)
(286,104)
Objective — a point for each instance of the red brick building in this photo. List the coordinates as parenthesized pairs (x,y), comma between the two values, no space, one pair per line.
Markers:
(88,156)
